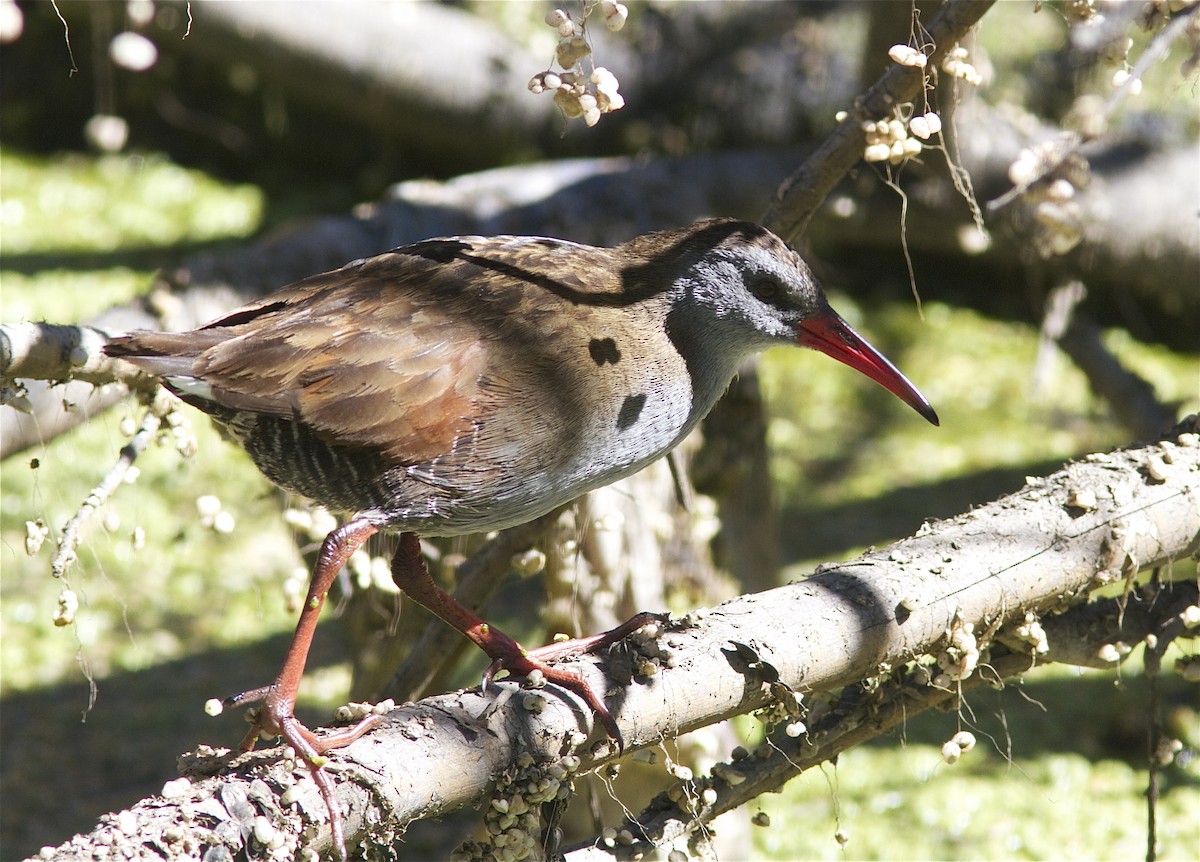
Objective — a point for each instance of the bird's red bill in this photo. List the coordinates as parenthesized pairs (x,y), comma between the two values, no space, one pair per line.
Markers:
(832,336)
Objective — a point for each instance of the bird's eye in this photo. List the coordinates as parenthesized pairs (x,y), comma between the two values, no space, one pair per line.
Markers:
(766,289)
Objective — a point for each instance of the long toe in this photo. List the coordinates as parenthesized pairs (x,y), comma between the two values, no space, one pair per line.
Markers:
(593,643)
(311,748)
(570,679)
(520,662)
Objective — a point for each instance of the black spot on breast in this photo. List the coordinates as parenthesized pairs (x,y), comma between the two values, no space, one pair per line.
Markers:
(631,409)
(604,350)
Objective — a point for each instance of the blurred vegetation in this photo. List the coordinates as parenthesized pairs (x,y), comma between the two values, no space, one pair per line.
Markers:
(195,613)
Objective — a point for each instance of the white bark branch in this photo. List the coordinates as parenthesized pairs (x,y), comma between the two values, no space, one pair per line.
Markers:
(46,351)
(862,713)
(1038,551)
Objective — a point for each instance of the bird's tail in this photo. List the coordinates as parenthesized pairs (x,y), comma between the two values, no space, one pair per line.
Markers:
(164,354)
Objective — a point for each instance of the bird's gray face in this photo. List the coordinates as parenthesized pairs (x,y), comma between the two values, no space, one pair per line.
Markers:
(759,291)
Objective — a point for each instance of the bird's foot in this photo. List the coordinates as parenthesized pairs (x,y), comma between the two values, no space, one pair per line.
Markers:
(274,718)
(411,574)
(507,654)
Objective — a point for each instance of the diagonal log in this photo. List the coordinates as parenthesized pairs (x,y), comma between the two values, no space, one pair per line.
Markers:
(1039,551)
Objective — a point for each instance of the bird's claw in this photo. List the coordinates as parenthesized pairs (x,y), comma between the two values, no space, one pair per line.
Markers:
(275,719)
(521,662)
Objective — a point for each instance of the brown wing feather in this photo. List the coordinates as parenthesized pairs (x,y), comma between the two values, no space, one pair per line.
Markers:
(394,352)
(358,364)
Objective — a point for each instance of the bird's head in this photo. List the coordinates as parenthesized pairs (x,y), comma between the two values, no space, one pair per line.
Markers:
(761,293)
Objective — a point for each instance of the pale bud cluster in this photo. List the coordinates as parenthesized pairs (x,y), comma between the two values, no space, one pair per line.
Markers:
(212,515)
(1115,52)
(68,606)
(1049,195)
(692,797)
(955,63)
(925,126)
(1031,632)
(561,21)
(1078,11)
(576,92)
(1113,652)
(529,563)
(957,746)
(1165,751)
(1121,76)
(1158,12)
(371,572)
(580,95)
(175,429)
(12,21)
(315,522)
(513,818)
(961,655)
(294,588)
(35,534)
(1188,667)
(889,140)
(366,571)
(612,837)
(907,55)
(787,709)
(133,51)
(1088,115)
(358,710)
(615,14)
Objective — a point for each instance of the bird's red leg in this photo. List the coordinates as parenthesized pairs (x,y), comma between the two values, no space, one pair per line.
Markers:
(275,717)
(412,576)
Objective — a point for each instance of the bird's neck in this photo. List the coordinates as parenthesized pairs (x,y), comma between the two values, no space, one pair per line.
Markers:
(711,348)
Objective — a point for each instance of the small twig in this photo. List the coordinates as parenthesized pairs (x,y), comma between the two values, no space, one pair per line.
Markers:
(1060,309)
(1131,397)
(1070,142)
(798,196)
(1153,740)
(1156,642)
(66,38)
(891,183)
(68,543)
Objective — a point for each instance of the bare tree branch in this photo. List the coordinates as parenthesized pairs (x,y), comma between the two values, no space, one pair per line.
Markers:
(801,193)
(862,713)
(65,555)
(958,591)
(46,351)
(56,377)
(380,67)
